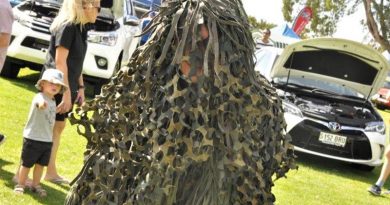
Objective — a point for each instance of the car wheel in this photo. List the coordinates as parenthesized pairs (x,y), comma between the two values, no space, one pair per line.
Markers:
(10,70)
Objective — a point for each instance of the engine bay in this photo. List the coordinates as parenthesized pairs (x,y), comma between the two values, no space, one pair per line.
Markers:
(350,112)
(45,12)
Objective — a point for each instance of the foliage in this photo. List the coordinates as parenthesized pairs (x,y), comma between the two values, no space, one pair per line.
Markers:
(259,25)
(327,13)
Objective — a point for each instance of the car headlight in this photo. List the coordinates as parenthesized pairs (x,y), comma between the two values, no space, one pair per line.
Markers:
(292,109)
(105,38)
(375,127)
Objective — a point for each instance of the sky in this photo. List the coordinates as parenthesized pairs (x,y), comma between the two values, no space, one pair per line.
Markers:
(349,27)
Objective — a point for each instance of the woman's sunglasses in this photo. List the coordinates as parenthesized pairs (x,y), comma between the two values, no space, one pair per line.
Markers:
(90,7)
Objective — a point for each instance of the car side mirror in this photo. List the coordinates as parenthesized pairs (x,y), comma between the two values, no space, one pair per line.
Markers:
(106,3)
(130,20)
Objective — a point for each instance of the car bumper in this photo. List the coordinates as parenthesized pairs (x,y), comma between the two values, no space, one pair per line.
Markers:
(28,45)
(361,147)
(96,52)
(31,47)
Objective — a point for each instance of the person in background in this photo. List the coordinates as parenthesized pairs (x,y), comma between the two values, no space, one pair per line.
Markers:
(376,189)
(38,132)
(6,21)
(265,41)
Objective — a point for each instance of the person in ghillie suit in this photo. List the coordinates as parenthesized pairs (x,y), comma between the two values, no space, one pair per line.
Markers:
(187,121)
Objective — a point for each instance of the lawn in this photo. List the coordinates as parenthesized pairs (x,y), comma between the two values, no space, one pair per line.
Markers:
(318,181)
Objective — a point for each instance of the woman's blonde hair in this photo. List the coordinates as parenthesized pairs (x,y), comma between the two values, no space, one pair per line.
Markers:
(71,12)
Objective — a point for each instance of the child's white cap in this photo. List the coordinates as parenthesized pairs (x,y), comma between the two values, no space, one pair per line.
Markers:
(54,76)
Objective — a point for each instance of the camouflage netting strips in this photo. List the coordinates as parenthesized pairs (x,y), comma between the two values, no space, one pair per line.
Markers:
(161,134)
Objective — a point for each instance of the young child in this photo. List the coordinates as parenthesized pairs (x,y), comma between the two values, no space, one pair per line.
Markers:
(38,132)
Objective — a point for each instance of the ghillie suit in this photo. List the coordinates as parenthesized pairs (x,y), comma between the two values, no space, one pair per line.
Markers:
(160,134)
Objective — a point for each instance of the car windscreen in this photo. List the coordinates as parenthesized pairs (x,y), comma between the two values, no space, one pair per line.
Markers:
(319,85)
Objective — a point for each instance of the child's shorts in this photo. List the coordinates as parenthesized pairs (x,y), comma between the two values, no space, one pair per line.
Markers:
(35,152)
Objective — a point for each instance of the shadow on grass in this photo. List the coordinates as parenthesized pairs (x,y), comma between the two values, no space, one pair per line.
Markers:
(53,196)
(26,81)
(337,168)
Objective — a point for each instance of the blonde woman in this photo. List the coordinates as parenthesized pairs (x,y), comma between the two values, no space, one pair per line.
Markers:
(68,45)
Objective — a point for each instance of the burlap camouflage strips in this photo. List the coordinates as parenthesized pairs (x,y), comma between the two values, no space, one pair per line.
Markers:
(211,136)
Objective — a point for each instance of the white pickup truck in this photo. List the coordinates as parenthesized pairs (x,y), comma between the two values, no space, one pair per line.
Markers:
(108,44)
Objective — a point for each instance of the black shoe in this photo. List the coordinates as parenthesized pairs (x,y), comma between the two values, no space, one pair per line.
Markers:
(375,190)
(2,138)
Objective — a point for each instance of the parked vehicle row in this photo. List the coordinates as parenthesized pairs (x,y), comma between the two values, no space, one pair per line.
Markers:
(325,85)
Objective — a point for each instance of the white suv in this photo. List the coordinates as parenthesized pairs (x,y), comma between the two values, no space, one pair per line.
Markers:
(108,43)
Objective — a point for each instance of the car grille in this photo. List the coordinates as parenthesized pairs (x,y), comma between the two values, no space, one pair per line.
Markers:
(41,25)
(306,135)
(35,43)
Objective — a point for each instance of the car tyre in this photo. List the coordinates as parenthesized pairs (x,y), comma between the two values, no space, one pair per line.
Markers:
(10,70)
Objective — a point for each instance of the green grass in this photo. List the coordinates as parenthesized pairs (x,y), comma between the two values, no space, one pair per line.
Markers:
(318,181)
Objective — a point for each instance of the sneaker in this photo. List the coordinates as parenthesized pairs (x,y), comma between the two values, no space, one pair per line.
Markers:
(375,190)
(2,138)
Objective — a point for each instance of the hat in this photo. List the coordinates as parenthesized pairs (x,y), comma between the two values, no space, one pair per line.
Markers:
(54,76)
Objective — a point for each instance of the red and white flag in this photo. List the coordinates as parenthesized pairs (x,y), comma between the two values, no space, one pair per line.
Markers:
(302,19)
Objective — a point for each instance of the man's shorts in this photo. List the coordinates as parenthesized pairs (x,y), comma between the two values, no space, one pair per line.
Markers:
(35,152)
(58,98)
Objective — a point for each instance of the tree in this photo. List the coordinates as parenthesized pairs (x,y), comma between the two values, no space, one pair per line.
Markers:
(327,13)
(262,24)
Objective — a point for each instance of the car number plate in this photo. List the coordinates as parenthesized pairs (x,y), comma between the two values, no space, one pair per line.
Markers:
(332,139)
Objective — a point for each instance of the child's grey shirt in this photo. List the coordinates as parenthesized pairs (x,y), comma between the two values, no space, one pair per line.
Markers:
(40,122)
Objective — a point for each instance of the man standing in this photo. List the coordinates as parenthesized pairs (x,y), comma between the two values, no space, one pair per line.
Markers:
(265,41)
(6,19)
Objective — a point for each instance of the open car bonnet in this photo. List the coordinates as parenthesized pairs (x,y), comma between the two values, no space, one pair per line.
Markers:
(333,60)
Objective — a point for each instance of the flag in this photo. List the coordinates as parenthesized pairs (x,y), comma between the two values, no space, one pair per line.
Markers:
(302,19)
